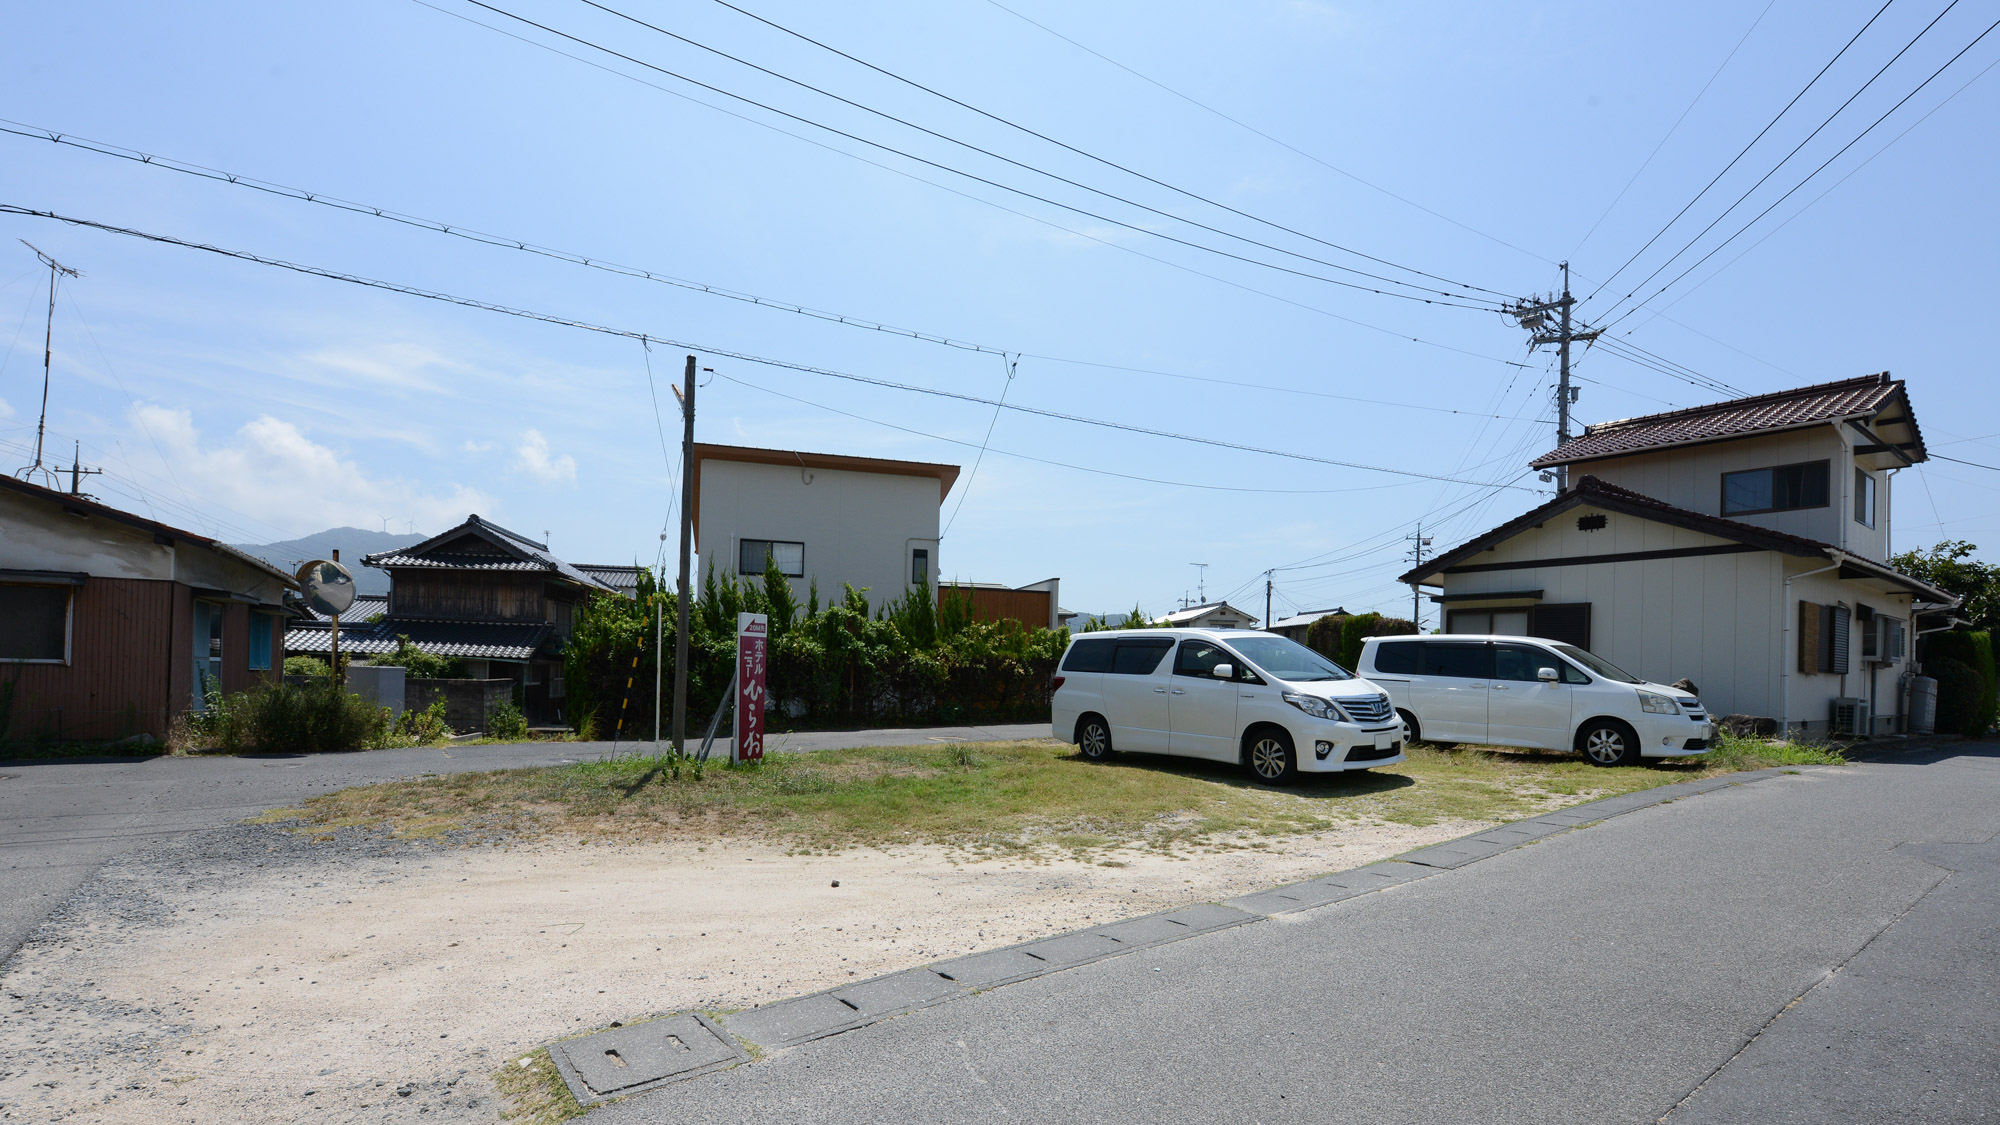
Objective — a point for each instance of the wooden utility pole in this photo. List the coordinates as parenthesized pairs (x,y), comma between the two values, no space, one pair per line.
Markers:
(1418,542)
(687,552)
(1534,316)
(1267,599)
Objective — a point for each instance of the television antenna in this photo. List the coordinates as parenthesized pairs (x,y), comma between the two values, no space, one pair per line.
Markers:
(57,271)
(1201,583)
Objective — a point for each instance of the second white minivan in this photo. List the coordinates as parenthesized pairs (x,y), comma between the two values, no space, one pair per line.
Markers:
(1527,691)
(1230,695)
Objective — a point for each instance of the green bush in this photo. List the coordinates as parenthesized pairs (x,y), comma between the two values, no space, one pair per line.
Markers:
(420,665)
(286,718)
(307,666)
(1958,693)
(1982,698)
(506,723)
(423,728)
(908,661)
(1323,636)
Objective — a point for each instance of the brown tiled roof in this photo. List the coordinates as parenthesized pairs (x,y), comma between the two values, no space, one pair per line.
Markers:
(1742,417)
(1597,494)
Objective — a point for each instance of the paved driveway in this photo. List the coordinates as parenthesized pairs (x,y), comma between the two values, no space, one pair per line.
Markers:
(60,820)
(1810,948)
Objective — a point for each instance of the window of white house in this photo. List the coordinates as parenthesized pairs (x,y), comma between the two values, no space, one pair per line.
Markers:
(1783,488)
(260,642)
(920,567)
(1864,497)
(753,553)
(34,623)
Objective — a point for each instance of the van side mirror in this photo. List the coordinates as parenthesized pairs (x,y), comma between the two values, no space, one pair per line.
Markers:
(1546,675)
(1224,671)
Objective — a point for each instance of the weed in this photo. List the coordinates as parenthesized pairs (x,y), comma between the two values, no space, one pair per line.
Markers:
(535,1093)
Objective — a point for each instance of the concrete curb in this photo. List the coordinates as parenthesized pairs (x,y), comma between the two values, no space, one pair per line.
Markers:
(788,1023)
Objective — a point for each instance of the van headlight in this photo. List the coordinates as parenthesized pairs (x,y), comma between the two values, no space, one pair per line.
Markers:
(1312,705)
(1657,704)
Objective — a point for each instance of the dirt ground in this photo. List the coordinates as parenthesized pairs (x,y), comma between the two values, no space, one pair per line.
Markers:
(256,976)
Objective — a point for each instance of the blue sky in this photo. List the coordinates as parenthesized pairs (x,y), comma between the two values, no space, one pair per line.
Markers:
(1481,143)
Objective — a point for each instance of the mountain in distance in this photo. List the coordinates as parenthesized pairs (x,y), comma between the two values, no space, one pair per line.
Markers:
(352,542)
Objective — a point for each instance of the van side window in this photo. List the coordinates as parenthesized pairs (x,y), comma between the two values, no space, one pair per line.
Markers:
(1089,656)
(1139,658)
(1522,663)
(1399,657)
(1199,657)
(1466,661)
(1571,674)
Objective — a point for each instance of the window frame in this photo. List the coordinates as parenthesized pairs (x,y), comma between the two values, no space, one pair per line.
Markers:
(68,590)
(253,653)
(917,555)
(1867,497)
(1722,505)
(770,553)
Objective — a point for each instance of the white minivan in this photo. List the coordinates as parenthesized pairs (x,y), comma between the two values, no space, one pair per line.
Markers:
(1527,691)
(1230,695)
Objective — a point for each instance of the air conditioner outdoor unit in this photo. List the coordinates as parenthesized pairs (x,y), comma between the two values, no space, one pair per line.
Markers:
(1850,716)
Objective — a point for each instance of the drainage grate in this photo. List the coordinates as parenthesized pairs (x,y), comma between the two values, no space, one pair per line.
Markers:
(626,1059)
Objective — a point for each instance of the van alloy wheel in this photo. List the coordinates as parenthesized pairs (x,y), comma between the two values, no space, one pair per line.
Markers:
(1093,738)
(1271,759)
(1609,744)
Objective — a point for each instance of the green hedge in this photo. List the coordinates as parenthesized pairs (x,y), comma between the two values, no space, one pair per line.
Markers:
(906,662)
(1965,706)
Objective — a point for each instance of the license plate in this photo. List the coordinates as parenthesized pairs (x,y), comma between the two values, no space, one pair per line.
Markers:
(1385,741)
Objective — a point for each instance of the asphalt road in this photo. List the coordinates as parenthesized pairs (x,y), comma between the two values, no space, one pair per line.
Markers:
(60,820)
(1811,948)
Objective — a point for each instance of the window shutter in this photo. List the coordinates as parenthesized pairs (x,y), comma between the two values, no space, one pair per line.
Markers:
(1809,618)
(1840,639)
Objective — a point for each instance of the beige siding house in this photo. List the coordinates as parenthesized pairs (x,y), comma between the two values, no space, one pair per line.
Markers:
(1743,546)
(826,520)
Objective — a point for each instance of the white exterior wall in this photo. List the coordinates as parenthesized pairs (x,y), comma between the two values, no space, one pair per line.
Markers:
(858,528)
(1691,477)
(1812,694)
(1710,618)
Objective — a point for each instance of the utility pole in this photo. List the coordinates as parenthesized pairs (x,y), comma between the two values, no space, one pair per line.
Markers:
(1418,542)
(1267,599)
(77,472)
(687,552)
(1533,315)
(57,271)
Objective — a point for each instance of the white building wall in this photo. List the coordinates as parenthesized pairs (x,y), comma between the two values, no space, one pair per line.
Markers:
(1709,618)
(1811,694)
(858,528)
(38,535)
(1691,477)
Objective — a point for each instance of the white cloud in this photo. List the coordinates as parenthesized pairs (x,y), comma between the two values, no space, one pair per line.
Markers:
(273,472)
(532,457)
(6,411)
(477,447)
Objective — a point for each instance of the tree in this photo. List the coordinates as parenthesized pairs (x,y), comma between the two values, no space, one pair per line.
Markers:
(1950,566)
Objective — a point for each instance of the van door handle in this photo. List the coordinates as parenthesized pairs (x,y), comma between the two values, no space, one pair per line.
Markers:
(1159,691)
(1499,687)
(1180,691)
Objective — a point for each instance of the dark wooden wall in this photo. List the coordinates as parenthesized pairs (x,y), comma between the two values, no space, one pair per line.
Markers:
(121,660)
(470,595)
(1029,607)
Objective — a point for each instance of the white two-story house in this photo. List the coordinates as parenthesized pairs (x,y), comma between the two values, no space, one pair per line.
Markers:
(1742,545)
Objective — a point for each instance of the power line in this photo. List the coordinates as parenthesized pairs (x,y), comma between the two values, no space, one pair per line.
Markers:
(455,230)
(1671,129)
(1287,146)
(587,326)
(1754,220)
(1739,156)
(1794,152)
(975,177)
(980,457)
(1956,461)
(912,83)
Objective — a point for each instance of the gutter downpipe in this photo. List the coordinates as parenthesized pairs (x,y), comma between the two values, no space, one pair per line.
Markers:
(1787,657)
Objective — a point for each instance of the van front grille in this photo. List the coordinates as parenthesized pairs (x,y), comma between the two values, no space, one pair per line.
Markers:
(1367,708)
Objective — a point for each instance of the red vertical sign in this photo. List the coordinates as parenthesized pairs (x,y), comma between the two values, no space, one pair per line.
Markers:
(752,672)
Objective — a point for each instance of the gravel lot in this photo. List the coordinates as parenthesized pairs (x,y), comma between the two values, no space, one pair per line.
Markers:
(251,974)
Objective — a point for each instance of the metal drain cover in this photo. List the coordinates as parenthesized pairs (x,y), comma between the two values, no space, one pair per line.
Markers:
(626,1059)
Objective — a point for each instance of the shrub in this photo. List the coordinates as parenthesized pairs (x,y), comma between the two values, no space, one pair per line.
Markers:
(307,666)
(505,722)
(285,718)
(424,728)
(420,665)
(1323,636)
(1959,692)
(1975,651)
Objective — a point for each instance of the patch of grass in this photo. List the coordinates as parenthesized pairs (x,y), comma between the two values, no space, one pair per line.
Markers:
(1731,753)
(535,1093)
(1030,797)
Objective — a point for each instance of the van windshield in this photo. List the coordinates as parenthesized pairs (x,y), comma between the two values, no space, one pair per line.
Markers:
(1598,664)
(1288,659)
